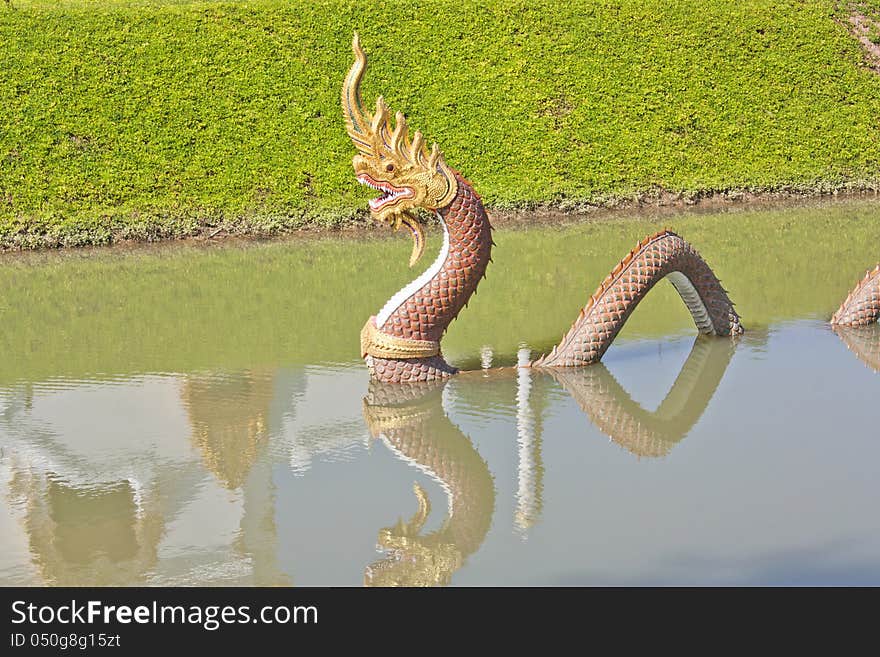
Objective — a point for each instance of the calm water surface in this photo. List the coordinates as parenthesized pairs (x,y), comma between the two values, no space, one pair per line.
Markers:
(193,415)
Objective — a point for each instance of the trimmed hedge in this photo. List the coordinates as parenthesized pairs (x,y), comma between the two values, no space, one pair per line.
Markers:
(155,119)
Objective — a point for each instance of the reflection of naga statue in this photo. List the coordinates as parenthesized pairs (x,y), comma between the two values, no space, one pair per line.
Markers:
(864,342)
(644,433)
(412,423)
(402,342)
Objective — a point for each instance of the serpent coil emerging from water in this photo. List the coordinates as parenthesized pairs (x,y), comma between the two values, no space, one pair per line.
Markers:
(861,306)
(401,343)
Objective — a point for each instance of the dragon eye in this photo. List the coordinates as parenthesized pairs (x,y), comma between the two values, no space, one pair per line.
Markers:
(389,167)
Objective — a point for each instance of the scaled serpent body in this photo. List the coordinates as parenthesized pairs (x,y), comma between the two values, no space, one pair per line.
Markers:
(427,312)
(861,306)
(401,344)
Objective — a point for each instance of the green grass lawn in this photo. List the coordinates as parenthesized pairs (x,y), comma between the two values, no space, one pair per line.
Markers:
(155,119)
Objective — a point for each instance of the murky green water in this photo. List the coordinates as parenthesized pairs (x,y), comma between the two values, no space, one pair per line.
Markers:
(194,415)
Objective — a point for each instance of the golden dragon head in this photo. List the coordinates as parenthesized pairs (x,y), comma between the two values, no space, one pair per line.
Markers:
(400,167)
(415,560)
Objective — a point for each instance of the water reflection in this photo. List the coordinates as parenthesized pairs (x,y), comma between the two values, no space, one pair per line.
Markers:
(650,433)
(198,478)
(530,405)
(108,498)
(195,416)
(411,421)
(863,341)
(85,535)
(228,414)
(527,395)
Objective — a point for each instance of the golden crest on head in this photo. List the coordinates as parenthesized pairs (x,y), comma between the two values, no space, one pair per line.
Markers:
(388,160)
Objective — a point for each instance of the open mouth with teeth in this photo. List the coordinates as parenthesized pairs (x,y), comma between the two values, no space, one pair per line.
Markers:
(390,193)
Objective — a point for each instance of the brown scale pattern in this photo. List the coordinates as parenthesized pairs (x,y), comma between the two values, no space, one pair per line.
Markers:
(412,419)
(453,459)
(428,312)
(407,370)
(862,305)
(644,433)
(610,306)
(864,342)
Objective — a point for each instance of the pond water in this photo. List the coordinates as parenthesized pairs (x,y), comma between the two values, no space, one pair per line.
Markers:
(199,415)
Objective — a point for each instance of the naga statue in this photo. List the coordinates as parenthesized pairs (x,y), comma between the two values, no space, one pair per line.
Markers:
(852,321)
(861,306)
(402,342)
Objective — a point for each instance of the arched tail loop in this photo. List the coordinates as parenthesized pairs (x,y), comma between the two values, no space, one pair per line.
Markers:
(662,255)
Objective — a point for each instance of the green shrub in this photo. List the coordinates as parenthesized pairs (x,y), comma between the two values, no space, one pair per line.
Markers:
(154,119)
